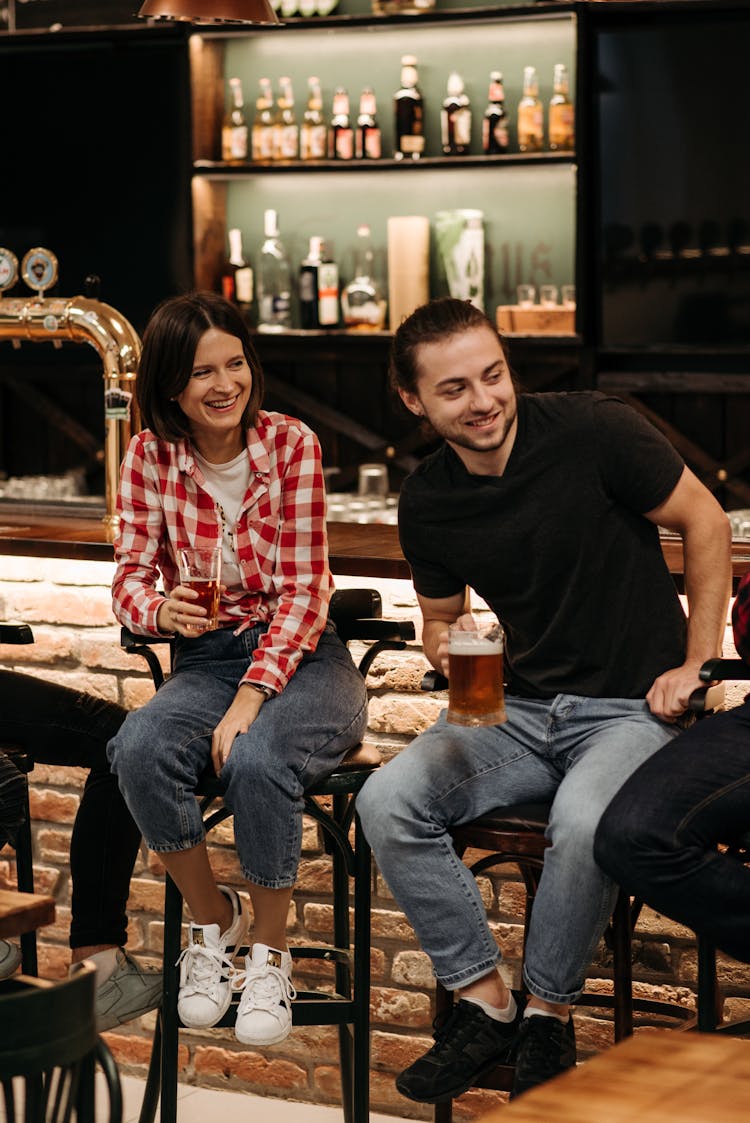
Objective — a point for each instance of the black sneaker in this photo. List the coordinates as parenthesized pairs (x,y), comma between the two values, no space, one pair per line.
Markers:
(468,1044)
(546,1047)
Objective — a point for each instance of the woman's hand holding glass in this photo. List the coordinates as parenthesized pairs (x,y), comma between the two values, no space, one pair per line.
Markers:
(181,613)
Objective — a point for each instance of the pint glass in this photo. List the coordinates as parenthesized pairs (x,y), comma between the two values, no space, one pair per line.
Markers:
(200,570)
(475,685)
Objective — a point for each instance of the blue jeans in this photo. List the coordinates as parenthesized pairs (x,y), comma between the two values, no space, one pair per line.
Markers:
(572,752)
(658,836)
(297,739)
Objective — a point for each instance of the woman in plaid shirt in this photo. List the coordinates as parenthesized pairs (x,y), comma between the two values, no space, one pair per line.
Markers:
(270,699)
(658,838)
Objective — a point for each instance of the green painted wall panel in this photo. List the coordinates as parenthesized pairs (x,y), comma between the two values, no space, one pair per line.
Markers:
(371,56)
(529,216)
(529,210)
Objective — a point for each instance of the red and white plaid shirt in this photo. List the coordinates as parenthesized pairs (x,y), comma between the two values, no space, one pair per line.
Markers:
(279,538)
(741,619)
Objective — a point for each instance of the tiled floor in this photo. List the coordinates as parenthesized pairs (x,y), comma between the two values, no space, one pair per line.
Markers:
(199,1105)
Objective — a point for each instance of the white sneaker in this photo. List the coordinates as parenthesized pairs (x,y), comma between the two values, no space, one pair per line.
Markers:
(206,968)
(10,957)
(264,1015)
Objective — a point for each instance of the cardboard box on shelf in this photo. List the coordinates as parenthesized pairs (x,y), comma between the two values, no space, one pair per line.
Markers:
(512,319)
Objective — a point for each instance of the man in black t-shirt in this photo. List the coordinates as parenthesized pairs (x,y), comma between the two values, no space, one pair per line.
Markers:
(546,506)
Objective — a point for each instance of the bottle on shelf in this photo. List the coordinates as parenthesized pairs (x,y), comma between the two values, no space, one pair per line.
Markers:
(340,131)
(263,123)
(237,275)
(530,114)
(273,279)
(362,303)
(561,127)
(409,113)
(318,288)
(495,121)
(455,118)
(367,142)
(286,129)
(313,131)
(234,127)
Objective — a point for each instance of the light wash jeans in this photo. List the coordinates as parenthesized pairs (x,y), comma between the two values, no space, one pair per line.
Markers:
(574,752)
(297,739)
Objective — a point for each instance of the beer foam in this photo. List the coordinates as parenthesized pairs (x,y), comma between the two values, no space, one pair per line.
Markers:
(471,645)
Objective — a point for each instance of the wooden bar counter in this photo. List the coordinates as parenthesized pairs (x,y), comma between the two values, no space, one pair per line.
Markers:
(658,1076)
(358,550)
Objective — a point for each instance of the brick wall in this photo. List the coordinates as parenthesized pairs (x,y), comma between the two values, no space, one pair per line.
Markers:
(68,605)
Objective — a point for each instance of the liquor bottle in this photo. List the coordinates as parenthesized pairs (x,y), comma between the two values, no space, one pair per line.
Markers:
(455,118)
(562,132)
(273,279)
(530,114)
(367,144)
(495,120)
(263,123)
(234,128)
(237,275)
(286,129)
(409,113)
(318,288)
(362,303)
(340,132)
(313,131)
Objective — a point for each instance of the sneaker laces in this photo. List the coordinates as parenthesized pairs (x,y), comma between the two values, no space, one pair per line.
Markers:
(457,1025)
(203,969)
(537,1040)
(264,988)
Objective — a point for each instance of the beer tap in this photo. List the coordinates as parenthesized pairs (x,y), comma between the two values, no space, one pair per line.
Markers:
(80,319)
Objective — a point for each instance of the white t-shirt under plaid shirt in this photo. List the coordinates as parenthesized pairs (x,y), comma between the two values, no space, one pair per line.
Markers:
(280,537)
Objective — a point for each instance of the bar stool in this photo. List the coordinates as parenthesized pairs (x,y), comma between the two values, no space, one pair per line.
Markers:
(357,614)
(24,762)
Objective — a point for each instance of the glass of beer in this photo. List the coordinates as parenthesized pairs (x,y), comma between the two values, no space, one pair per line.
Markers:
(200,570)
(475,685)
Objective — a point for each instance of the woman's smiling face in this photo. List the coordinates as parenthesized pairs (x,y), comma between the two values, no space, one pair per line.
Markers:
(218,391)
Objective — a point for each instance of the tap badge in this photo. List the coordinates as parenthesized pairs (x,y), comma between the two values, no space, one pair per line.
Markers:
(8,269)
(39,269)
(117,404)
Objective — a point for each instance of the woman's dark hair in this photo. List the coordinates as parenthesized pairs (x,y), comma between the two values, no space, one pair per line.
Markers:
(438,319)
(169,345)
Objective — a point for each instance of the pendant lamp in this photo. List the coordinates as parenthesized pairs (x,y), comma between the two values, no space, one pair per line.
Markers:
(210,11)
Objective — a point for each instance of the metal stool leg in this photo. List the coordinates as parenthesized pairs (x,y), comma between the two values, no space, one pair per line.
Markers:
(361,1025)
(709,1014)
(25,880)
(622,967)
(170,1042)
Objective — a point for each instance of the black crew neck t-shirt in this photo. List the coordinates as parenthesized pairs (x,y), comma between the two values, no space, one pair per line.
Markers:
(558,546)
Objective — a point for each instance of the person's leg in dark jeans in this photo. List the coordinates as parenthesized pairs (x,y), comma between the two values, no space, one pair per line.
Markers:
(61,726)
(658,836)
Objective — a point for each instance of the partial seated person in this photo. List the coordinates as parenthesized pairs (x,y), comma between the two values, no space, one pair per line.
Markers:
(270,700)
(60,726)
(659,835)
(547,506)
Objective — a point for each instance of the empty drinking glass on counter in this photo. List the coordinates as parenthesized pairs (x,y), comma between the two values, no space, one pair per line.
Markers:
(525,295)
(548,296)
(568,296)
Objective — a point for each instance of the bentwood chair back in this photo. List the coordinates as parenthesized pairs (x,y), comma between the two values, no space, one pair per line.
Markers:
(49,1050)
(357,614)
(23,760)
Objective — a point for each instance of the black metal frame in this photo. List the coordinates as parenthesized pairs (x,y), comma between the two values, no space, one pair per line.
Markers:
(357,615)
